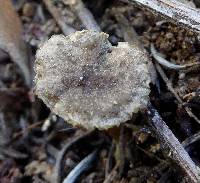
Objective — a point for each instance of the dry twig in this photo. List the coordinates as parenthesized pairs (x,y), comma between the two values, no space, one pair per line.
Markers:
(30,127)
(152,155)
(66,29)
(191,139)
(122,150)
(169,142)
(168,64)
(10,152)
(172,90)
(85,16)
(60,157)
(112,176)
(83,166)
(130,35)
(174,10)
(109,159)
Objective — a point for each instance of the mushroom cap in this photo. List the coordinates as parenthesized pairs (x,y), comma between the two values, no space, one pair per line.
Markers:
(89,82)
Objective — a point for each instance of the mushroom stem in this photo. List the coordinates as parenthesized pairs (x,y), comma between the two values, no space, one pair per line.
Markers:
(117,134)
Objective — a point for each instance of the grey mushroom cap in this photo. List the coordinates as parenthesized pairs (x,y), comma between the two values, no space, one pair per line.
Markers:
(90,83)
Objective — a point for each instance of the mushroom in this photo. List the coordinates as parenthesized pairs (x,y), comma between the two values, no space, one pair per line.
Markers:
(90,83)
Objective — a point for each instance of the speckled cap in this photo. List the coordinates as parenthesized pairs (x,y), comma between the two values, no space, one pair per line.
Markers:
(89,82)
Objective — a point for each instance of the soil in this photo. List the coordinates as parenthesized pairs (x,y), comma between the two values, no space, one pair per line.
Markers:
(31,137)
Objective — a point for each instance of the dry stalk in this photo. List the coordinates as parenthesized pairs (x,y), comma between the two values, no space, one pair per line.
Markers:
(82,166)
(168,64)
(85,16)
(169,142)
(173,10)
(66,29)
(57,176)
(172,90)
(190,140)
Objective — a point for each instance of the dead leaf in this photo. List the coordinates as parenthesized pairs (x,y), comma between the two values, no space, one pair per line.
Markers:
(11,38)
(39,168)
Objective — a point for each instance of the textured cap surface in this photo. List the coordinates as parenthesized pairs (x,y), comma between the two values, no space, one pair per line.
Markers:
(90,83)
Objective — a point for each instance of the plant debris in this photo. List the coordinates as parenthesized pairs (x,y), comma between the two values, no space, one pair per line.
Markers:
(11,39)
(159,143)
